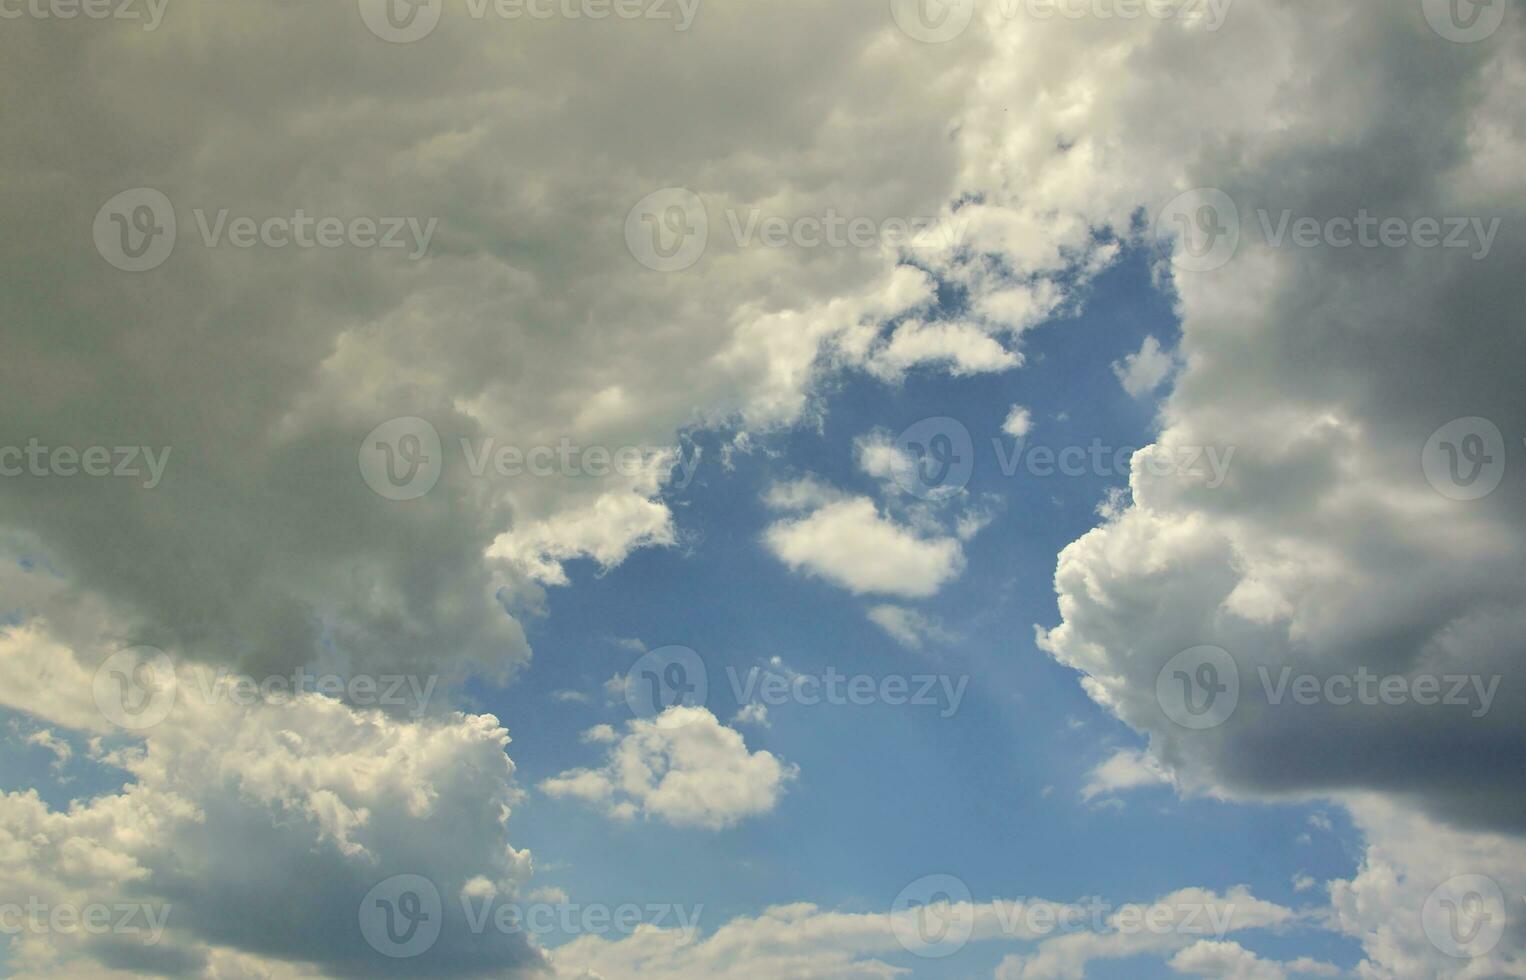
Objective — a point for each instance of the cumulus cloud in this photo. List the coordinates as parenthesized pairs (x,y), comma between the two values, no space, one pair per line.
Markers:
(252,830)
(1141,373)
(849,543)
(683,767)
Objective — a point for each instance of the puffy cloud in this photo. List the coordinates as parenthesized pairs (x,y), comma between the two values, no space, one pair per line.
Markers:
(1019,422)
(1124,770)
(251,830)
(850,543)
(1143,372)
(683,767)
(1329,550)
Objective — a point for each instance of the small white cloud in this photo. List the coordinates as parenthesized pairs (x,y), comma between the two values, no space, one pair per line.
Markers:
(601,734)
(909,628)
(1145,371)
(45,738)
(1019,422)
(576,697)
(1125,770)
(684,768)
(755,713)
(849,543)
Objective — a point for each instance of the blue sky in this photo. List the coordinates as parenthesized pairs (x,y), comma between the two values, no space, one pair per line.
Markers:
(891,793)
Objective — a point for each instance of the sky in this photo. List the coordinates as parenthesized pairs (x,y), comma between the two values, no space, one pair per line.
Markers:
(901,488)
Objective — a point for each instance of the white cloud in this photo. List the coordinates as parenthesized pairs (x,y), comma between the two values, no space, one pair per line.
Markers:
(1228,960)
(850,544)
(803,940)
(1019,422)
(909,628)
(683,767)
(254,830)
(1143,372)
(1124,770)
